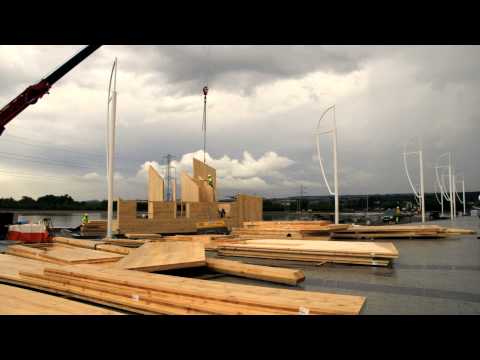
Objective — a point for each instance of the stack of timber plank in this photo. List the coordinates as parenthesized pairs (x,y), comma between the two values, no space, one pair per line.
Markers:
(126,242)
(229,267)
(210,242)
(153,257)
(143,236)
(302,230)
(348,252)
(398,232)
(92,244)
(63,254)
(18,301)
(97,228)
(166,294)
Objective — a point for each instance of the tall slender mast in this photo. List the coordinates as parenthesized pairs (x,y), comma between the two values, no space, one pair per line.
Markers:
(335,168)
(332,131)
(111,144)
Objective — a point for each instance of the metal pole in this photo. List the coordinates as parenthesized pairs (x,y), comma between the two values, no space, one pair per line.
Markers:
(450,185)
(422,189)
(111,148)
(441,197)
(463,192)
(335,168)
(454,178)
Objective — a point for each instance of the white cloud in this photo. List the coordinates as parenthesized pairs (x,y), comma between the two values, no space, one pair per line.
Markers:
(268,164)
(91,176)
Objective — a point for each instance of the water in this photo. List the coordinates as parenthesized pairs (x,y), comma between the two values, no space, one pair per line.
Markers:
(62,219)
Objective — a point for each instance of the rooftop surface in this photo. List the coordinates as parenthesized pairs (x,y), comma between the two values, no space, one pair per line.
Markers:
(431,276)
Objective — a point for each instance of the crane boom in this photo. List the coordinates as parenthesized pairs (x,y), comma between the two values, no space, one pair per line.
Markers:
(34,92)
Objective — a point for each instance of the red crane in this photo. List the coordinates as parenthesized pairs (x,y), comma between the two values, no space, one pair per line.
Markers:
(34,92)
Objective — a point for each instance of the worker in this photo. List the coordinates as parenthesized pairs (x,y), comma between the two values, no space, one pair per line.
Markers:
(397,214)
(210,180)
(85,219)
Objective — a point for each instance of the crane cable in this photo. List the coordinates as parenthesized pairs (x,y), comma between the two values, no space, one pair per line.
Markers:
(205,92)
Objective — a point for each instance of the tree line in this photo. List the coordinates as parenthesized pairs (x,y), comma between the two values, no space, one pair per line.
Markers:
(52,202)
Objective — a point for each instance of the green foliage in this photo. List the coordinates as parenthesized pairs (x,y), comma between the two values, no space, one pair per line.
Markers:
(52,202)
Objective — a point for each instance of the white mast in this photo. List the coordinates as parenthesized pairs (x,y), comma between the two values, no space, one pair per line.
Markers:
(332,131)
(112,98)
(421,194)
(450,196)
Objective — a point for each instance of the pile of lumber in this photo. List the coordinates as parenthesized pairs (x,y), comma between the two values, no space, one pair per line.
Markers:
(143,236)
(62,254)
(152,261)
(302,230)
(398,232)
(94,228)
(165,294)
(92,244)
(126,242)
(348,252)
(18,301)
(210,242)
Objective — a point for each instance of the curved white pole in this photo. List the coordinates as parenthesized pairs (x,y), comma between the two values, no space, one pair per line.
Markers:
(321,165)
(450,197)
(420,195)
(333,131)
(111,144)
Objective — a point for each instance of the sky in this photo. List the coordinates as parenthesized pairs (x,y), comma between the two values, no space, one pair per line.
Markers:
(263,109)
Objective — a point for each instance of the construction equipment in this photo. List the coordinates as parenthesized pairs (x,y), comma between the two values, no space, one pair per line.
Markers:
(212,227)
(34,92)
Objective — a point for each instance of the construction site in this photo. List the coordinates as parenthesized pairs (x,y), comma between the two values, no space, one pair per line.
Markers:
(187,251)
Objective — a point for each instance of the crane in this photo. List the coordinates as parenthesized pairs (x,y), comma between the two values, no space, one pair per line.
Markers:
(34,92)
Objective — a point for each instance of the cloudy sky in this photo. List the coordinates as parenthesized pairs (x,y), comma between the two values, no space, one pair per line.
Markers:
(263,107)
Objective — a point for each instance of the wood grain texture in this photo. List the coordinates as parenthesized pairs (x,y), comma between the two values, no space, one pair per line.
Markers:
(156,256)
(259,272)
(166,294)
(18,301)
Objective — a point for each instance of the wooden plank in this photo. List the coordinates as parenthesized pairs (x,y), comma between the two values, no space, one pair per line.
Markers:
(156,256)
(318,303)
(18,301)
(326,247)
(61,253)
(143,236)
(260,272)
(307,257)
(166,294)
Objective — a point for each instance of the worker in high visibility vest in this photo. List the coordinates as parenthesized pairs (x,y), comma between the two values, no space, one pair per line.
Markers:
(85,219)
(397,214)
(210,180)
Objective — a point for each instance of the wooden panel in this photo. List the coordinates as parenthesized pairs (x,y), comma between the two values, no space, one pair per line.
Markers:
(200,173)
(156,256)
(126,210)
(18,301)
(189,190)
(250,208)
(161,210)
(155,189)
